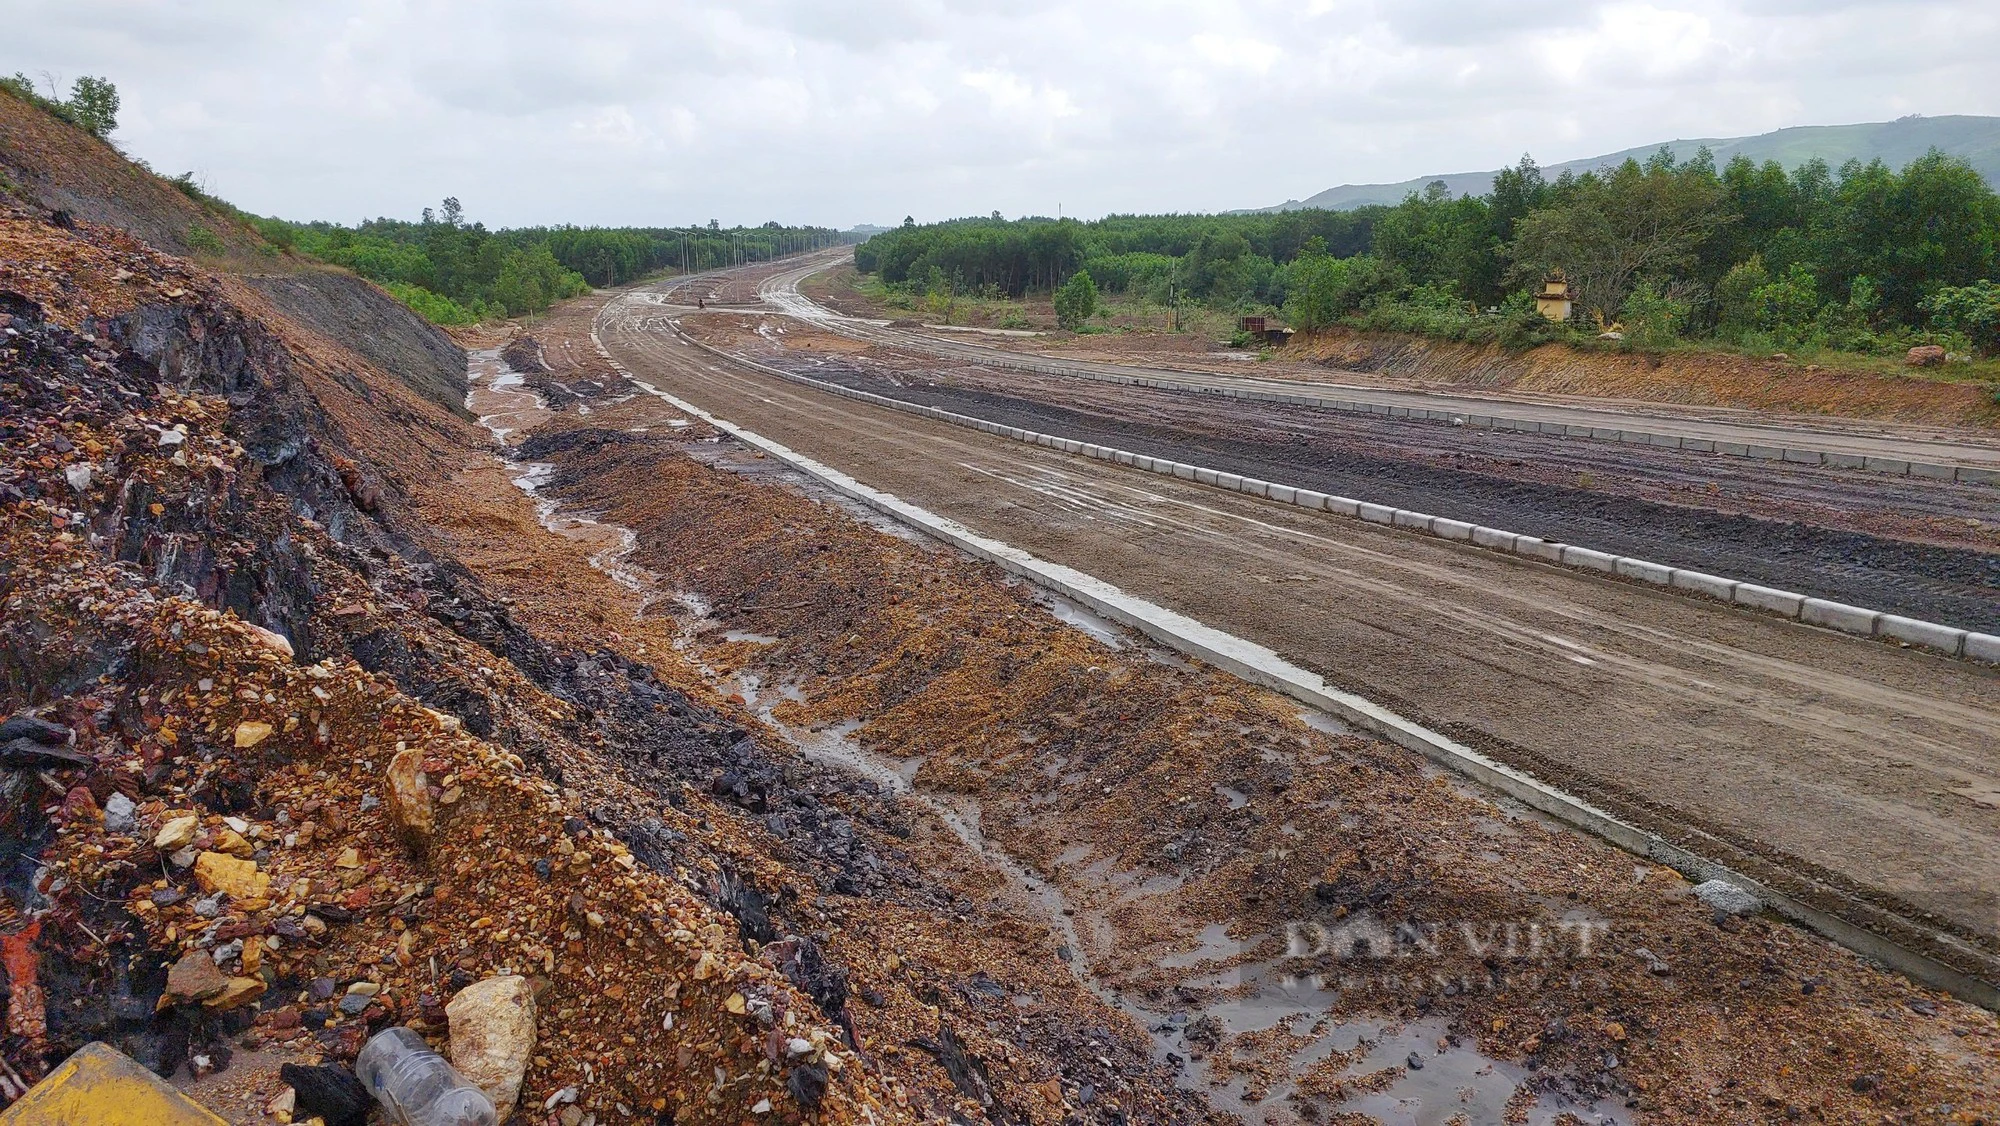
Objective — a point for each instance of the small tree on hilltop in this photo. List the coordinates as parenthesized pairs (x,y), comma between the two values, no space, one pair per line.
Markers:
(1076,300)
(93,102)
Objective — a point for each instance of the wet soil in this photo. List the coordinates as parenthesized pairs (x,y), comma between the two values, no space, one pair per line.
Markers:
(1165,824)
(690,897)
(1162,822)
(1514,482)
(787,815)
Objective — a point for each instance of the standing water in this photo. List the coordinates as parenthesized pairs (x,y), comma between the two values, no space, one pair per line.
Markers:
(1402,1074)
(508,408)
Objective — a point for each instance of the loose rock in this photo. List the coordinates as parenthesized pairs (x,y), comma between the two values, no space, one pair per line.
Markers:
(238,879)
(493,1036)
(118,813)
(1728,898)
(409,798)
(35,729)
(176,834)
(193,978)
(28,752)
(332,1093)
(238,992)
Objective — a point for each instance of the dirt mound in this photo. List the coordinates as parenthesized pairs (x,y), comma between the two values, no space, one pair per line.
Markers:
(308,777)
(1691,378)
(561,381)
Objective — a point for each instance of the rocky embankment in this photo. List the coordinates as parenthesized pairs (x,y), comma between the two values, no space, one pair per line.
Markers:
(280,774)
(321,717)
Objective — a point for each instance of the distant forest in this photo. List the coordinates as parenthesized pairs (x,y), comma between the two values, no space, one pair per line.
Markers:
(451,271)
(1865,258)
(455,272)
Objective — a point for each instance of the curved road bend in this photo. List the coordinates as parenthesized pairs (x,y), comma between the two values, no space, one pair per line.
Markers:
(1935,445)
(1843,768)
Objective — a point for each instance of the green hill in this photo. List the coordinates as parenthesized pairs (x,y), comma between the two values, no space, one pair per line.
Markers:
(1896,143)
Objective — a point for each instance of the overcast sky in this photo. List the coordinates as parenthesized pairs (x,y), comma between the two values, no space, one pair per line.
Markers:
(656,112)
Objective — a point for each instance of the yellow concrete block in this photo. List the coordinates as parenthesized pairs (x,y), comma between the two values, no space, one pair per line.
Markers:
(101,1086)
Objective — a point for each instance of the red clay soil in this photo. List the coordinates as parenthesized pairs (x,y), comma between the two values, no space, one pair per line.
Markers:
(1688,378)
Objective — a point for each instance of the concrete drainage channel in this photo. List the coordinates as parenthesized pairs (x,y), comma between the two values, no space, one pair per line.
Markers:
(1858,620)
(1262,666)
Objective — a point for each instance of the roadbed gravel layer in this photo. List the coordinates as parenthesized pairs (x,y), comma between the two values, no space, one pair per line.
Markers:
(1503,482)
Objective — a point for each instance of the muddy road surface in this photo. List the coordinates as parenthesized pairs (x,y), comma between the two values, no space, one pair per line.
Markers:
(1164,827)
(1854,768)
(1208,372)
(1924,549)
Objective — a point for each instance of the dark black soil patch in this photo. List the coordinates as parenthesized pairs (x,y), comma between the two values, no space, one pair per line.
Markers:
(1956,586)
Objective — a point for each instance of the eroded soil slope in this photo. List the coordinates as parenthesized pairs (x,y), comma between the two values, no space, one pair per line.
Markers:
(273,734)
(62,168)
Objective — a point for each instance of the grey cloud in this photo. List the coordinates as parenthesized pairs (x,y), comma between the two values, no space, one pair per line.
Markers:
(809,111)
(1457,23)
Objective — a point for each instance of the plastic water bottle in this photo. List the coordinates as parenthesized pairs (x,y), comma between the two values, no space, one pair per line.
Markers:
(416,1084)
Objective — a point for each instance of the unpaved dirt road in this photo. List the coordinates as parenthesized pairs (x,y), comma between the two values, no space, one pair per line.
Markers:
(1855,773)
(1900,545)
(1935,445)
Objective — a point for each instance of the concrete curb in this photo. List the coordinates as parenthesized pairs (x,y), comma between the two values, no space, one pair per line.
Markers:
(1897,467)
(1264,667)
(1964,474)
(1859,621)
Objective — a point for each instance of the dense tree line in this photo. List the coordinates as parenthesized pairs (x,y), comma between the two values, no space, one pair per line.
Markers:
(1230,258)
(1864,258)
(450,270)
(455,272)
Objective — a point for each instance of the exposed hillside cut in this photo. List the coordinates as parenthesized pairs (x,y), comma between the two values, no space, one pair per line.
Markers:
(383,331)
(58,168)
(61,168)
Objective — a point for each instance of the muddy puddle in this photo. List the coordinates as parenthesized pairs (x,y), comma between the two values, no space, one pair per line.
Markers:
(1255,1043)
(508,409)
(1251,1038)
